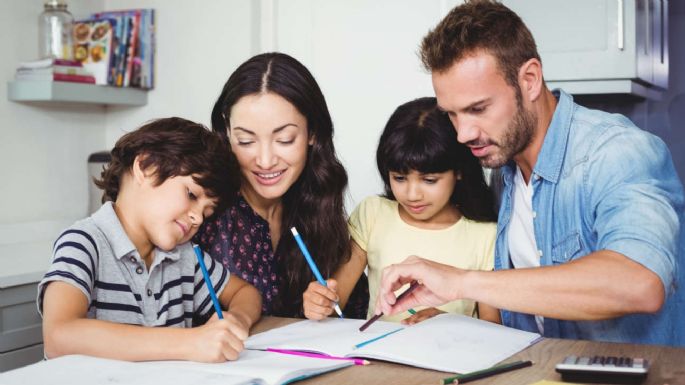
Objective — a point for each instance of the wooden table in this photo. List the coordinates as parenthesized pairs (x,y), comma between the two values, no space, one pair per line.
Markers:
(667,364)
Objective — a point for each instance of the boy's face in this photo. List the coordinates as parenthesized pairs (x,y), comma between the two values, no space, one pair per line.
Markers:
(173,211)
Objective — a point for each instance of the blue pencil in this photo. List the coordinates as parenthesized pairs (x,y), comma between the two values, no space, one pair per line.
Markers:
(312,265)
(359,345)
(210,288)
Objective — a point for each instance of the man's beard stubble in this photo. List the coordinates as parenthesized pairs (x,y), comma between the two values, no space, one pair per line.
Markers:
(516,138)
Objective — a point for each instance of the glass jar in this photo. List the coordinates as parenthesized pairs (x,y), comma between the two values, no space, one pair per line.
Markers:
(54,29)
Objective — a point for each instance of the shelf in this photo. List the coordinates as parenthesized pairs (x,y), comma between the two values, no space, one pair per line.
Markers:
(46,91)
(599,87)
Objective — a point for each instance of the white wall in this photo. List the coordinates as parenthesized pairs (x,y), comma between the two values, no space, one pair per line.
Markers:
(43,149)
(363,53)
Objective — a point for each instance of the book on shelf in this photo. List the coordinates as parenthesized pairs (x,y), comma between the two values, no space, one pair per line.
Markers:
(447,342)
(54,70)
(259,368)
(93,46)
(56,77)
(133,47)
(47,63)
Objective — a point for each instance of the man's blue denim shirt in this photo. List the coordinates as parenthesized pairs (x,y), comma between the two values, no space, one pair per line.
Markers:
(601,183)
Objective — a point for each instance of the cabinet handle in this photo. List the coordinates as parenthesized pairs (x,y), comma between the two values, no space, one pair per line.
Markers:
(620,25)
(648,26)
(662,28)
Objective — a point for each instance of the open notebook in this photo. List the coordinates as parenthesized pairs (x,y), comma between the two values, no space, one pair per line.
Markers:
(447,342)
(253,367)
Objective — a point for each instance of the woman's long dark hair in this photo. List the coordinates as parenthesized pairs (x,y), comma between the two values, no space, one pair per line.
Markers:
(314,203)
(420,137)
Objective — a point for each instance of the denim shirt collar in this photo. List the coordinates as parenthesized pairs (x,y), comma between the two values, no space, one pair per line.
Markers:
(553,151)
(551,157)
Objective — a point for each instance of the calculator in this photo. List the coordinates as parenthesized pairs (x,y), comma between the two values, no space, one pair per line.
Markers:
(614,370)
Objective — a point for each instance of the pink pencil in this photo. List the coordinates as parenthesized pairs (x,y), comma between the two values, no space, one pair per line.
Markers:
(356,361)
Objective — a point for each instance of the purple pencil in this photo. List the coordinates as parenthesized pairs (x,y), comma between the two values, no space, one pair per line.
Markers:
(356,361)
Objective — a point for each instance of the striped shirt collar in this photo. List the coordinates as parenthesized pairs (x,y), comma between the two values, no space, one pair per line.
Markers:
(107,221)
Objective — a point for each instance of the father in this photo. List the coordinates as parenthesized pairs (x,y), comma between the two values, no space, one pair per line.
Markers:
(590,233)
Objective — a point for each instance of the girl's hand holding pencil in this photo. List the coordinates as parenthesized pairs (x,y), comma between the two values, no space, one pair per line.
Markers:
(421,315)
(319,301)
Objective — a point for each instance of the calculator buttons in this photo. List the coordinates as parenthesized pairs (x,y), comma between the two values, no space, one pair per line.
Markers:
(606,369)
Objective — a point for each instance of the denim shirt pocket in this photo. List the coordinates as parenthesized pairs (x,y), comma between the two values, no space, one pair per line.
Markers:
(566,249)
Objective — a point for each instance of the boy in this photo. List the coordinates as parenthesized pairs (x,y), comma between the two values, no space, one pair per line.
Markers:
(129,268)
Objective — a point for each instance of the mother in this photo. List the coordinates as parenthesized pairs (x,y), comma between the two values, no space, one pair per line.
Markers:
(277,124)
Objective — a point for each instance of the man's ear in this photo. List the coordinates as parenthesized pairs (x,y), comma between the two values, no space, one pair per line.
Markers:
(531,80)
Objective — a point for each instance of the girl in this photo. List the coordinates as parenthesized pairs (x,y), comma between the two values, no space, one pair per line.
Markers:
(436,205)
(278,126)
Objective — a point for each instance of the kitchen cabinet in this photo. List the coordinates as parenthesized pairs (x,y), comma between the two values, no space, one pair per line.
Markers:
(600,46)
(21,339)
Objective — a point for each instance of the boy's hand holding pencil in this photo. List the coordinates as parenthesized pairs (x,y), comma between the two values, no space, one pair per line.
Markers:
(218,340)
(236,324)
(223,335)
(319,301)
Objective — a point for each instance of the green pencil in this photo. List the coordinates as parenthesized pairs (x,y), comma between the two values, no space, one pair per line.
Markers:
(462,378)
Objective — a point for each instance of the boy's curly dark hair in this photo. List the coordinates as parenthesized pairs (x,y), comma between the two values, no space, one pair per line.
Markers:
(175,147)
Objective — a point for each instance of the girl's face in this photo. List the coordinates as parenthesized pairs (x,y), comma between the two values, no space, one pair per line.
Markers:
(425,198)
(269,138)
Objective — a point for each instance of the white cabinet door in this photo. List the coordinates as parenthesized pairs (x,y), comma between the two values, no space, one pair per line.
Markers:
(599,40)
(584,39)
(652,31)
(20,326)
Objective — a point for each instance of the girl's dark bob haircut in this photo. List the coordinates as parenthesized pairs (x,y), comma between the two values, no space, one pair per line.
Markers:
(420,137)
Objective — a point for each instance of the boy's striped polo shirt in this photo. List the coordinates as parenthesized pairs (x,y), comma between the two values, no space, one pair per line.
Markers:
(96,256)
